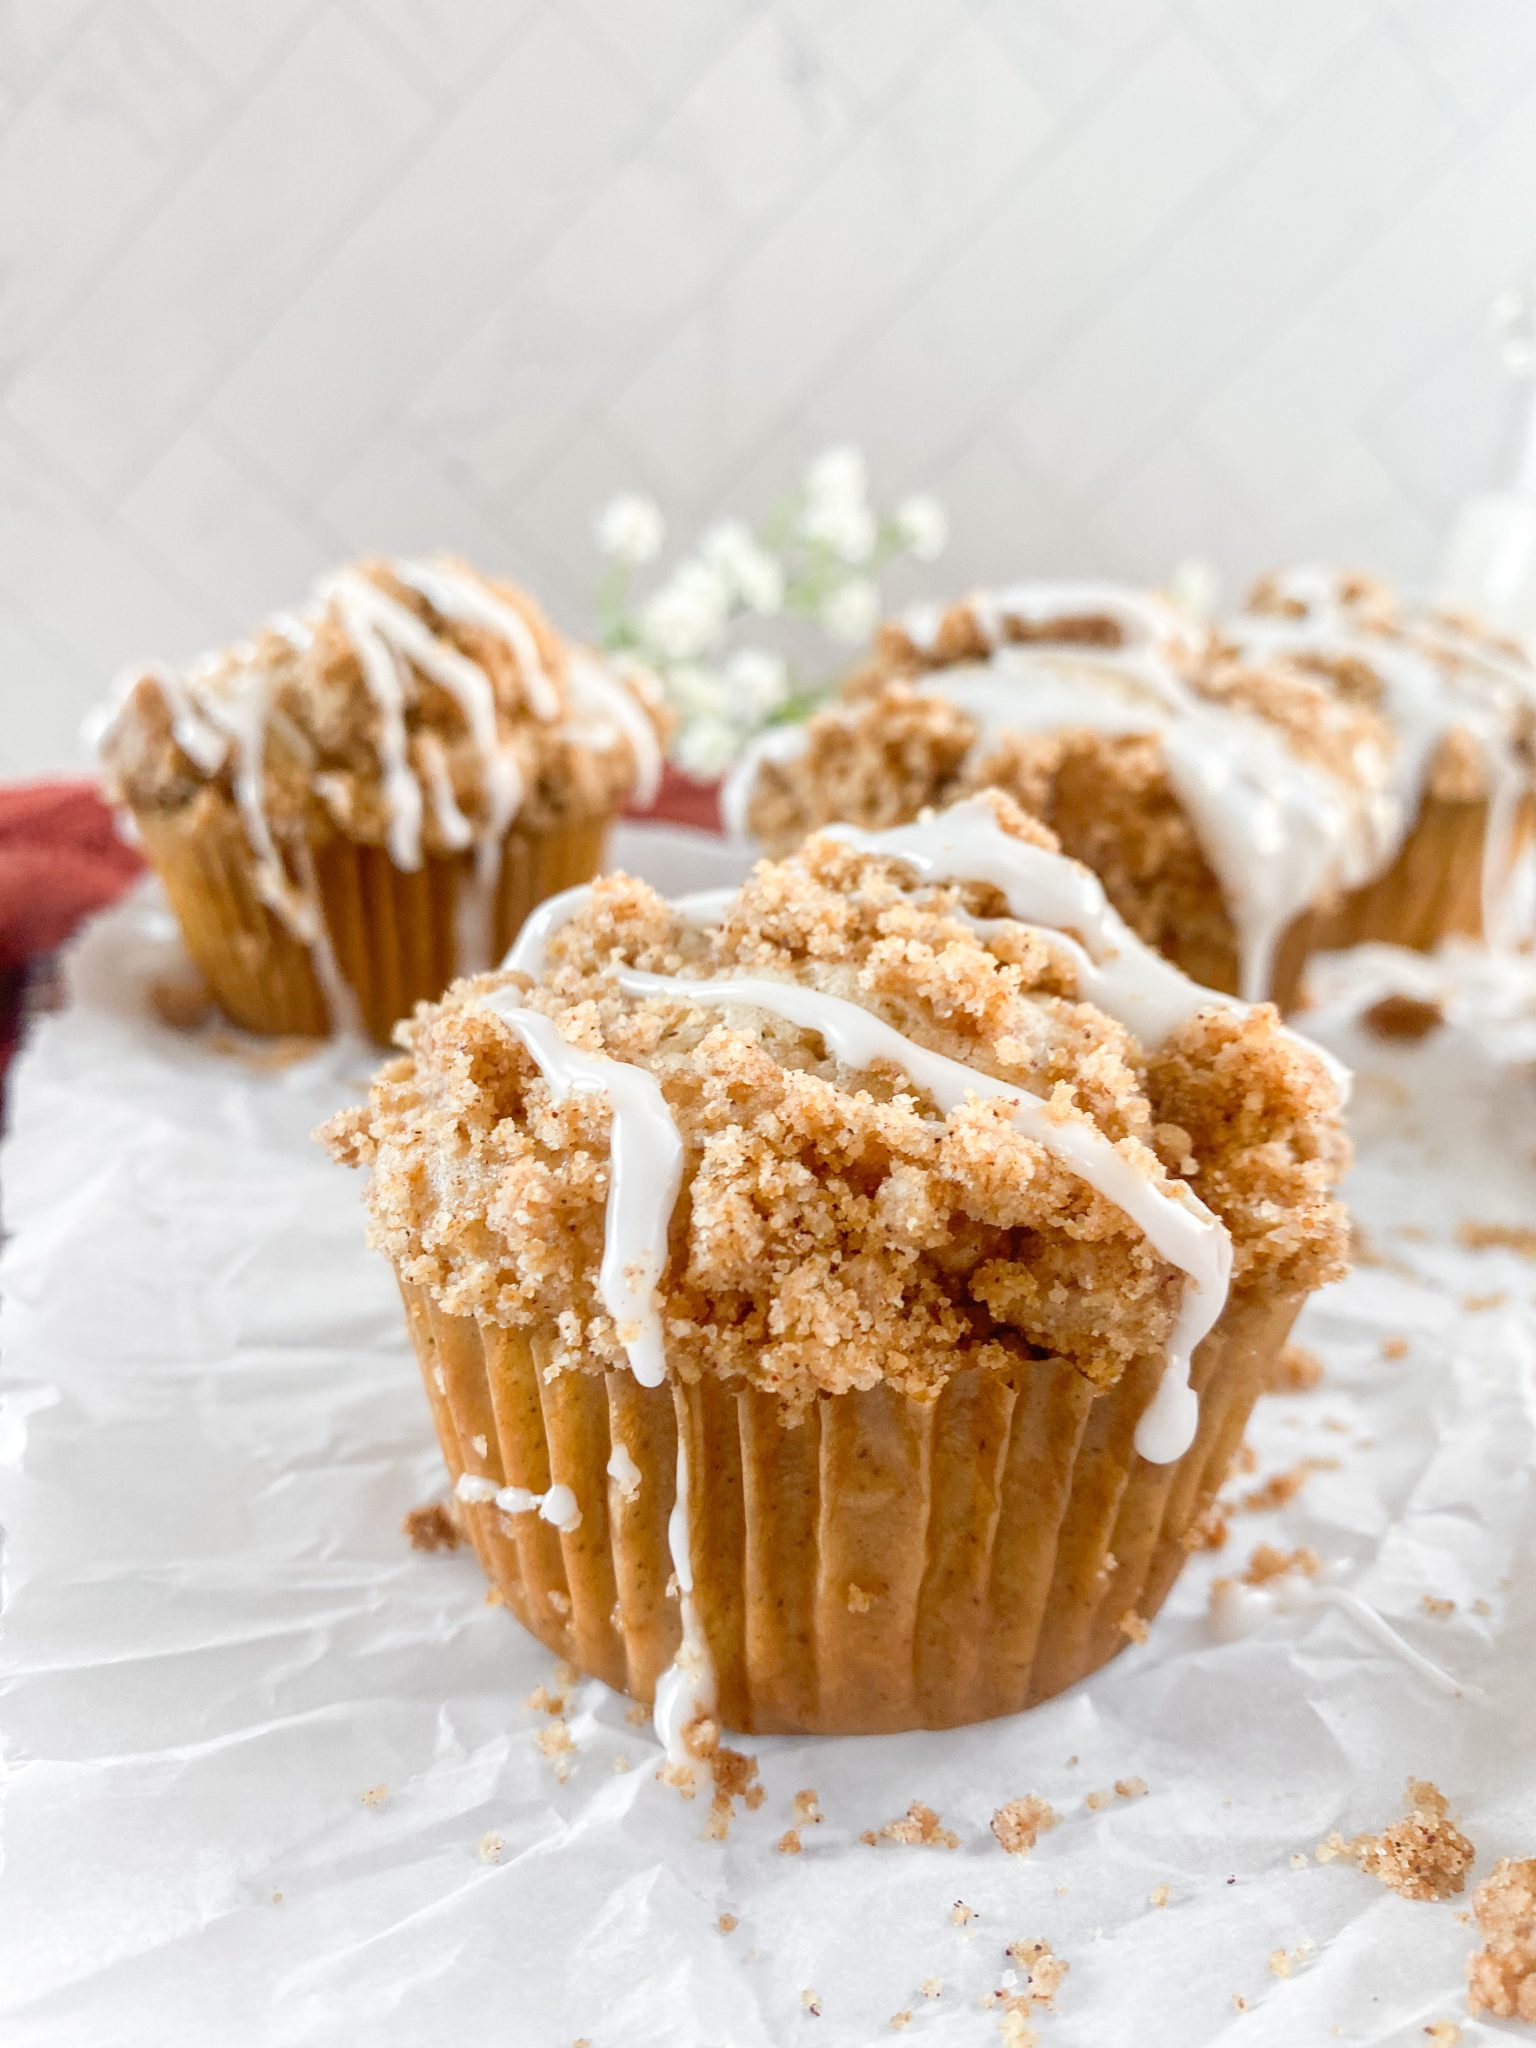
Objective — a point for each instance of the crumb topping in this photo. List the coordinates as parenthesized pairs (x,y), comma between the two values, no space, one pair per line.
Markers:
(832,1231)
(323,743)
(1501,1976)
(1422,1856)
(1021,1823)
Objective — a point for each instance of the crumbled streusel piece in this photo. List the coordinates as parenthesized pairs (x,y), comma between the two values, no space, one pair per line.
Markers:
(1422,1856)
(1020,1824)
(1407,1018)
(1297,1370)
(1284,1961)
(1394,1348)
(431,1528)
(1440,1608)
(1132,1626)
(931,1987)
(811,2000)
(1501,1976)
(789,1843)
(1508,1237)
(1280,1490)
(1130,1788)
(1442,2034)
(727,1923)
(920,1827)
(807,1807)
(859,1602)
(376,1795)
(489,1848)
(1159,1895)
(960,1914)
(1046,1970)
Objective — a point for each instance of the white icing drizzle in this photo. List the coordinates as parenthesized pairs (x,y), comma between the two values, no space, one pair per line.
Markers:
(1174,1221)
(594,689)
(624,1472)
(686,1689)
(557,1506)
(468,602)
(645,1173)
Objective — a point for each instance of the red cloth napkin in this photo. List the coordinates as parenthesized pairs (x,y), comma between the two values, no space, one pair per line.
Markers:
(61,860)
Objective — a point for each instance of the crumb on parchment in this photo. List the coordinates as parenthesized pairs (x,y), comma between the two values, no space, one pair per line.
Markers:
(920,1827)
(376,1795)
(1440,1608)
(1019,1824)
(727,1923)
(1402,1017)
(1394,1348)
(1422,1856)
(1487,1237)
(1501,1975)
(489,1848)
(1297,1370)
(1159,1895)
(1285,1961)
(432,1528)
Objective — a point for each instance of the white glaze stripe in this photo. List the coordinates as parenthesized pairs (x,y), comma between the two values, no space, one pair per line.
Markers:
(1175,1223)
(644,1175)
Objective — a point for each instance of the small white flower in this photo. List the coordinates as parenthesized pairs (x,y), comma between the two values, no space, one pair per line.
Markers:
(630,528)
(923,525)
(758,682)
(755,577)
(849,613)
(846,526)
(837,476)
(708,747)
(687,615)
(696,692)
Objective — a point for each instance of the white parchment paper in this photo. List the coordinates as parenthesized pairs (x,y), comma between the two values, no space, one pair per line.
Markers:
(216,1639)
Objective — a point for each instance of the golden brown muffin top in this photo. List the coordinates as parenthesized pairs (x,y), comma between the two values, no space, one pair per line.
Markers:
(834,1226)
(404,706)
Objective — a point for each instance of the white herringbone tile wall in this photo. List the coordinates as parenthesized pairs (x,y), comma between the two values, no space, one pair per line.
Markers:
(1122,280)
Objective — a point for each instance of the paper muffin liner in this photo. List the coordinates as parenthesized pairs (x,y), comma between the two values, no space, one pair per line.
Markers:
(392,935)
(880,1563)
(1432,891)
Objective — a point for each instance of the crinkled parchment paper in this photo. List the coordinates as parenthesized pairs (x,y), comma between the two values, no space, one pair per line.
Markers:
(216,1639)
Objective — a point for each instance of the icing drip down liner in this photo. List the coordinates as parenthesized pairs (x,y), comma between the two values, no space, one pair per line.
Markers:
(877,1561)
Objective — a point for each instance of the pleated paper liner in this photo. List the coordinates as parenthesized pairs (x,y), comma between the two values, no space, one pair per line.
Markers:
(392,932)
(1434,889)
(880,1564)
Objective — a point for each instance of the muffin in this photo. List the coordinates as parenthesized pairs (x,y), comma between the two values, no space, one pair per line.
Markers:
(370,796)
(1460,795)
(1224,808)
(838,1300)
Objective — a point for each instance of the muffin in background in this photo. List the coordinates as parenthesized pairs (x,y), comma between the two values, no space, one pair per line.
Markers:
(838,1300)
(1460,704)
(370,797)
(1306,775)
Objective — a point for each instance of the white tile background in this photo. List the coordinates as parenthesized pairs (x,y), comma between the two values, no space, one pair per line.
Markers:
(1120,279)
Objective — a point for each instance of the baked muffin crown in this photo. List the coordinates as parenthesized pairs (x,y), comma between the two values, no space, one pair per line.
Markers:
(413,705)
(910,1136)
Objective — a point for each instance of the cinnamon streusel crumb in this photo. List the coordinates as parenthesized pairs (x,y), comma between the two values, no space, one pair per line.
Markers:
(1297,1372)
(920,1827)
(1422,1856)
(1501,1975)
(432,1528)
(1021,1823)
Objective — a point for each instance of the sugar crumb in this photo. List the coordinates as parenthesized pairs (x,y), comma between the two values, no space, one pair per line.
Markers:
(1285,1961)
(1443,2033)
(1019,1824)
(1394,1348)
(1159,1895)
(1501,1237)
(811,2000)
(1441,1609)
(1501,1975)
(1131,1624)
(919,1827)
(727,1923)
(789,1843)
(901,2020)
(1130,1788)
(961,1915)
(1096,1801)
(375,1795)
(1404,1018)
(489,1848)
(431,1528)
(1422,1856)
(807,1808)
(931,1986)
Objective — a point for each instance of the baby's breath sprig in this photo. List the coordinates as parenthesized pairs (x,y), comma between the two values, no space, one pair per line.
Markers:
(815,558)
